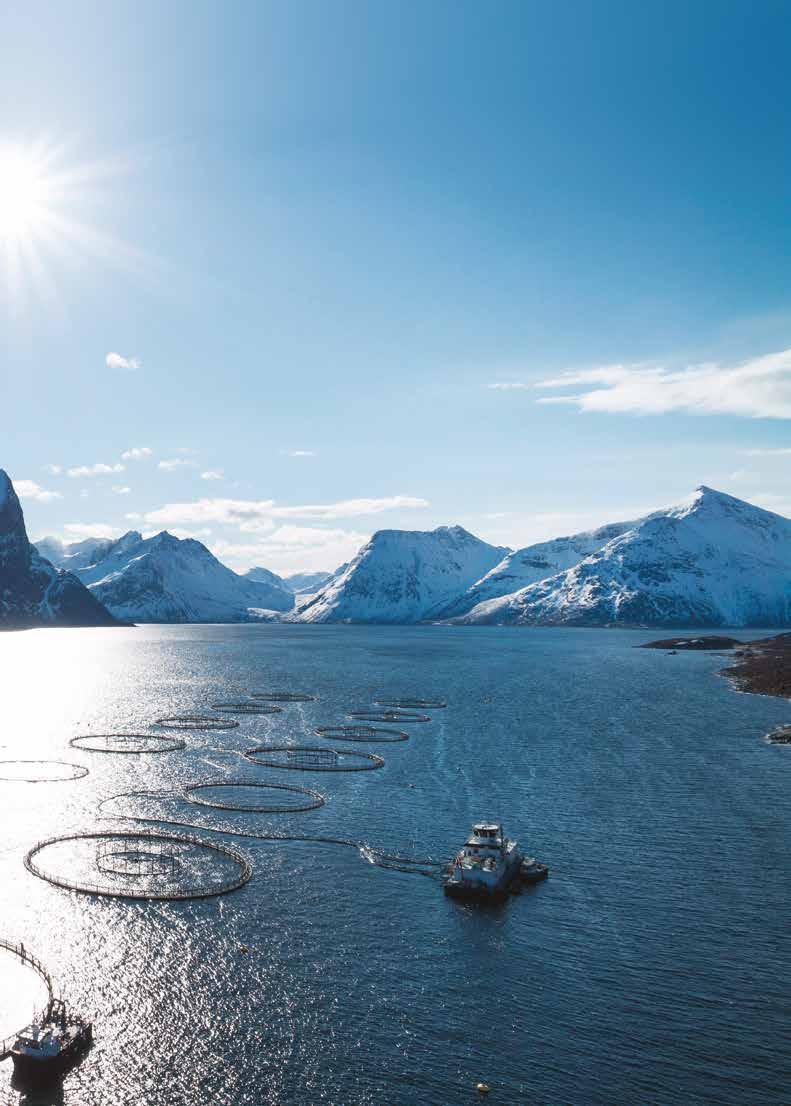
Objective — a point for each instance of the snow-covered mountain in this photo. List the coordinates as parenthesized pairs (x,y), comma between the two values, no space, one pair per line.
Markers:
(310,582)
(32,591)
(279,586)
(534,562)
(713,560)
(402,576)
(169,579)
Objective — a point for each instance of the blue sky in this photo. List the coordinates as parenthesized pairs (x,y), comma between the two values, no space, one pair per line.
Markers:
(336,248)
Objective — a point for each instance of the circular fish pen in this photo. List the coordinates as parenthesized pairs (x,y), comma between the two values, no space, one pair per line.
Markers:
(41,771)
(283,696)
(127,743)
(388,716)
(139,865)
(246,708)
(252,797)
(308,758)
(360,733)
(196,722)
(411,704)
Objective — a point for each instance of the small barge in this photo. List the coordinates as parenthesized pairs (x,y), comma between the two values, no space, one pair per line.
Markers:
(490,865)
(45,1051)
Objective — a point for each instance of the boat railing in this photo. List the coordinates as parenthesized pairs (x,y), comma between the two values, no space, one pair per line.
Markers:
(18,949)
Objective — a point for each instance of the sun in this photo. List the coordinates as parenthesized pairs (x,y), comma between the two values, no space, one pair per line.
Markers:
(25,195)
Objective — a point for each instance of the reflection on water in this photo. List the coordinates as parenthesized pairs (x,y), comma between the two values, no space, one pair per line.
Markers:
(651,967)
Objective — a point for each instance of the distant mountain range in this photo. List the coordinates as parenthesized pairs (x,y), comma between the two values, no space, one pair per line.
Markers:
(169,579)
(712,560)
(32,591)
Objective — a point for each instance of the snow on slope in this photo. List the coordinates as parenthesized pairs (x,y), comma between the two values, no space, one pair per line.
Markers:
(713,560)
(169,579)
(310,581)
(402,576)
(278,585)
(534,562)
(32,591)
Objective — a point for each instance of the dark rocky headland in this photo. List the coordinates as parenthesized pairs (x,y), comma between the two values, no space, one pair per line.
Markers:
(762,667)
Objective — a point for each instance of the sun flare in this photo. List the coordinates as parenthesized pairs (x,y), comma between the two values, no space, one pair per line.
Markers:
(24,195)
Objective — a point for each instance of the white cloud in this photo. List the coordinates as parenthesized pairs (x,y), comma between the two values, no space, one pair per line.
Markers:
(758,388)
(293,549)
(118,361)
(212,474)
(92,530)
(173,463)
(136,453)
(351,508)
(767,452)
(251,515)
(121,489)
(98,469)
(133,516)
(510,386)
(53,470)
(298,452)
(29,489)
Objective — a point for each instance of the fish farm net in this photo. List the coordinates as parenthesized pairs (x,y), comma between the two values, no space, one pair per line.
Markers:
(282,696)
(360,733)
(246,708)
(411,704)
(256,798)
(388,716)
(196,722)
(41,771)
(127,743)
(307,758)
(139,865)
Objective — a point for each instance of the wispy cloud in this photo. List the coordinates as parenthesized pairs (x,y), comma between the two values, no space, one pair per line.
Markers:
(136,453)
(121,489)
(510,386)
(92,530)
(173,463)
(98,469)
(758,388)
(212,474)
(767,452)
(53,470)
(118,361)
(29,489)
(298,452)
(253,515)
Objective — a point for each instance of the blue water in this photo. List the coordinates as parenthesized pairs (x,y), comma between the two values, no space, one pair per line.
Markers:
(652,967)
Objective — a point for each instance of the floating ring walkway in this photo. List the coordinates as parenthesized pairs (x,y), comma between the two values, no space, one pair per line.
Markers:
(127,743)
(311,800)
(246,708)
(136,860)
(196,722)
(311,758)
(75,771)
(283,696)
(388,716)
(360,733)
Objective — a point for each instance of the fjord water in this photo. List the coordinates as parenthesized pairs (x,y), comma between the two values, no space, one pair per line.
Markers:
(652,967)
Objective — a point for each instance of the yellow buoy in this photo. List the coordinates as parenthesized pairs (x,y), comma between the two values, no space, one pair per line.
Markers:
(482,1088)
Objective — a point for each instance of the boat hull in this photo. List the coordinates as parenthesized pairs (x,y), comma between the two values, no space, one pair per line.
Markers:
(40,1071)
(517,875)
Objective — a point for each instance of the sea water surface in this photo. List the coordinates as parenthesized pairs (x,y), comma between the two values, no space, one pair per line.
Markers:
(652,967)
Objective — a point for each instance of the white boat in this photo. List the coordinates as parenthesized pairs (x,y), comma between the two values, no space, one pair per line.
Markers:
(489,864)
(46,1050)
